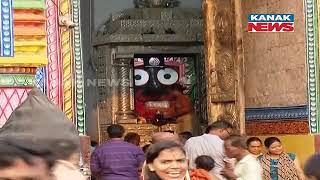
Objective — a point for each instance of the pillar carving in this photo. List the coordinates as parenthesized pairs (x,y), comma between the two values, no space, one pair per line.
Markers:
(125,113)
(224,60)
(115,94)
(21,52)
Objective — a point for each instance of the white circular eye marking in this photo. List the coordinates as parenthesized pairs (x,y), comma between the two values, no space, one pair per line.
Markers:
(141,77)
(167,76)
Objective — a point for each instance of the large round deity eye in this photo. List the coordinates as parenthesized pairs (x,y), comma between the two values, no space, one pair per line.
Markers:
(141,77)
(167,76)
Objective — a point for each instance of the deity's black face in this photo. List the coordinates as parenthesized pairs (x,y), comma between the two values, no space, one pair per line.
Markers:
(154,77)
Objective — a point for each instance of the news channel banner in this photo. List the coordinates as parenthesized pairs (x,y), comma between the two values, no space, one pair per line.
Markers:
(271,23)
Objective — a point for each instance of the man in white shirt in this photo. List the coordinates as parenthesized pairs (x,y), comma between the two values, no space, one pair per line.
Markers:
(210,144)
(247,167)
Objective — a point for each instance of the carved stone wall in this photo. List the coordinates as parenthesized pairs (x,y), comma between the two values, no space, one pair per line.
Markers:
(278,127)
(275,72)
(224,60)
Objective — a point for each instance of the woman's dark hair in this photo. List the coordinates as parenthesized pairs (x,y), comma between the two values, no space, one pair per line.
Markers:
(271,140)
(204,162)
(154,151)
(312,166)
(252,139)
(145,148)
(115,131)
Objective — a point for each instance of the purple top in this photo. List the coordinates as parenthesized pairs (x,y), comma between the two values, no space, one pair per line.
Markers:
(117,160)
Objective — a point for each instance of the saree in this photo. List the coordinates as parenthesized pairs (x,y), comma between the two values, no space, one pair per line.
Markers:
(279,169)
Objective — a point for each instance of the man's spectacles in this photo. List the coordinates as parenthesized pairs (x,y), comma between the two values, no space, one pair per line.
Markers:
(229,132)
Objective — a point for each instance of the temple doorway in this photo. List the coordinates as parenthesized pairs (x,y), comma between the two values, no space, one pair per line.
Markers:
(160,43)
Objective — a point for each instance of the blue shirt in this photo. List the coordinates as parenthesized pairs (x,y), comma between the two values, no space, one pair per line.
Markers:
(117,160)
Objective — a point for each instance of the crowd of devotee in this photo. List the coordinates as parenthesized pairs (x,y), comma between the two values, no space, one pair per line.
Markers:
(216,155)
(38,142)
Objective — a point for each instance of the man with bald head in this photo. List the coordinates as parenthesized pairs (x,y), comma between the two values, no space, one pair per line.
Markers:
(164,136)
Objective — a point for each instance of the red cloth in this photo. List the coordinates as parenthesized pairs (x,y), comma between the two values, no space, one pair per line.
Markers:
(200,174)
(149,113)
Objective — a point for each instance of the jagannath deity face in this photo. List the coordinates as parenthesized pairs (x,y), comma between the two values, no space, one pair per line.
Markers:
(153,76)
(154,81)
(160,82)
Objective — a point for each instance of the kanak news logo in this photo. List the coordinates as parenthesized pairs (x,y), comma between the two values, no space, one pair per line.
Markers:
(271,22)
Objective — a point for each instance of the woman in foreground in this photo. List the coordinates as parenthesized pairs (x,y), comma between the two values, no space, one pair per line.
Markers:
(166,161)
(278,165)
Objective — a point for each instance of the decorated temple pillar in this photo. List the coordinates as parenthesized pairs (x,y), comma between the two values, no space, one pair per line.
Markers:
(40,45)
(115,96)
(23,50)
(125,113)
(224,60)
(35,34)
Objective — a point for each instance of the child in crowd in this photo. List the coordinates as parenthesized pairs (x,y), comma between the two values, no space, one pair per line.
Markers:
(204,164)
